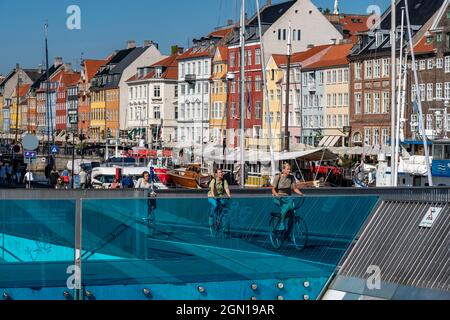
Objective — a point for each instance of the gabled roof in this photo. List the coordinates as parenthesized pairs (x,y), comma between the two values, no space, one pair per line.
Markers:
(166,62)
(170,70)
(221,33)
(43,77)
(299,57)
(280,59)
(223,52)
(271,13)
(336,55)
(354,24)
(197,52)
(423,47)
(91,67)
(23,90)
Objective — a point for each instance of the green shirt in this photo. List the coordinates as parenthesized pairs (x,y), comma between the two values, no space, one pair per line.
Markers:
(284,184)
(219,188)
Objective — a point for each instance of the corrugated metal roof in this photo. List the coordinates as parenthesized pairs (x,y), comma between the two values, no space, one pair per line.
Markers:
(405,253)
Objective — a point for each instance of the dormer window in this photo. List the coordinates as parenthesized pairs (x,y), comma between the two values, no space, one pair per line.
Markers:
(379,37)
(158,72)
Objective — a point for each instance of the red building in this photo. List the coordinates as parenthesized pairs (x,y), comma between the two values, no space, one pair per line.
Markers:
(64,78)
(253,93)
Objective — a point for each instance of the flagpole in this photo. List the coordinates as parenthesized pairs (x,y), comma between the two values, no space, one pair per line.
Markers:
(393,87)
(288,85)
(243,109)
(419,102)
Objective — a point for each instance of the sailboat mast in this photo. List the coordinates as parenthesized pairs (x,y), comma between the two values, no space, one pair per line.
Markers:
(288,85)
(266,91)
(243,108)
(419,102)
(398,105)
(47,92)
(393,88)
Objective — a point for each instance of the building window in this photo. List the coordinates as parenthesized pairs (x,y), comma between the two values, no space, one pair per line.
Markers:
(430,92)
(368,105)
(422,65)
(249,57)
(368,69)
(157,91)
(386,68)
(367,137)
(232,60)
(357,71)
(258,56)
(439,63)
(429,122)
(357,103)
(258,110)
(346,75)
(376,136)
(439,91)
(376,69)
(430,64)
(386,102)
(376,102)
(447,90)
(447,64)
(422,92)
(384,137)
(258,83)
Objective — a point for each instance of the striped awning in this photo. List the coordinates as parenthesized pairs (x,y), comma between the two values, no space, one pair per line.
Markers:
(329,141)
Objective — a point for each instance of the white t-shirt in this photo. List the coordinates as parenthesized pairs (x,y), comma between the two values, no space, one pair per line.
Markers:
(29,176)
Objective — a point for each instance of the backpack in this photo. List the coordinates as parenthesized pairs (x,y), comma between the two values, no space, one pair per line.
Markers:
(291,177)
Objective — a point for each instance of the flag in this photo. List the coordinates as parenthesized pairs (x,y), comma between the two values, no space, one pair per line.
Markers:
(415,107)
(249,97)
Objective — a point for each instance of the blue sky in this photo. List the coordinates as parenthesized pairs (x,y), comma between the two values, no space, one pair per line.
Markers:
(107,25)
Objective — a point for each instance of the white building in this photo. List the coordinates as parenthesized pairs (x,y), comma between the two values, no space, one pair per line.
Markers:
(194,73)
(153,102)
(140,57)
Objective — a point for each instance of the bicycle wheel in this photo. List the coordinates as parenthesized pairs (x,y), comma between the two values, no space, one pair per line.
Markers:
(299,234)
(276,237)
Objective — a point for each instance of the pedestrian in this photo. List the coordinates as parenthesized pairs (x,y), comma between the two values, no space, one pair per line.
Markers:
(115,184)
(2,174)
(8,173)
(59,184)
(54,176)
(28,179)
(83,178)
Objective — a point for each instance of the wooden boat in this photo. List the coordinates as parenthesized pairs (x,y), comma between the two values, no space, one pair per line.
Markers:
(190,177)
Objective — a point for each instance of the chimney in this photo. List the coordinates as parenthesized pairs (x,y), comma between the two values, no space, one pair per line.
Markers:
(230,22)
(148,43)
(58,61)
(131,44)
(67,67)
(180,50)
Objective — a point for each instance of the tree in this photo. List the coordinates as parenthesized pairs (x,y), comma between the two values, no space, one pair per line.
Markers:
(327,11)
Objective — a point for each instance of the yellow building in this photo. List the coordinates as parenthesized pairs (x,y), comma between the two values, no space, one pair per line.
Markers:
(97,119)
(336,72)
(274,86)
(15,113)
(219,96)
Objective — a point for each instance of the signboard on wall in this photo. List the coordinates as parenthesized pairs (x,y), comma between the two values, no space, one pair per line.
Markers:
(430,217)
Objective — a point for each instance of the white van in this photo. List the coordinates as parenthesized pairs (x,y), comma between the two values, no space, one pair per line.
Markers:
(103,177)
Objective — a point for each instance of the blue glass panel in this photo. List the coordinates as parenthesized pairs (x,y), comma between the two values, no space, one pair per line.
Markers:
(36,242)
(169,241)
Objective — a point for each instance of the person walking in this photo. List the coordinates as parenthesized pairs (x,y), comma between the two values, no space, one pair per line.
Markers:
(83,178)
(54,176)
(28,179)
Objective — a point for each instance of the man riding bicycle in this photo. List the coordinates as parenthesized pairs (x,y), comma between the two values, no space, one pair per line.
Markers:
(283,186)
(218,189)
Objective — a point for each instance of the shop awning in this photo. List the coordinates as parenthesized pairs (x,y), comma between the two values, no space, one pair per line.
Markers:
(329,141)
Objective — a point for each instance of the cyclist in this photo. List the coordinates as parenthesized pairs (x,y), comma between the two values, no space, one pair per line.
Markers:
(283,186)
(218,189)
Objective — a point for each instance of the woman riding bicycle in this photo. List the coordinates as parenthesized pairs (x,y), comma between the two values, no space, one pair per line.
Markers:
(218,189)
(283,186)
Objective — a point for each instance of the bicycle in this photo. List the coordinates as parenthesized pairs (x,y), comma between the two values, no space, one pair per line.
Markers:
(297,230)
(219,226)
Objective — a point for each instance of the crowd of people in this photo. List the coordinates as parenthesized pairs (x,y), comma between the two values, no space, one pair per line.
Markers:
(13,175)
